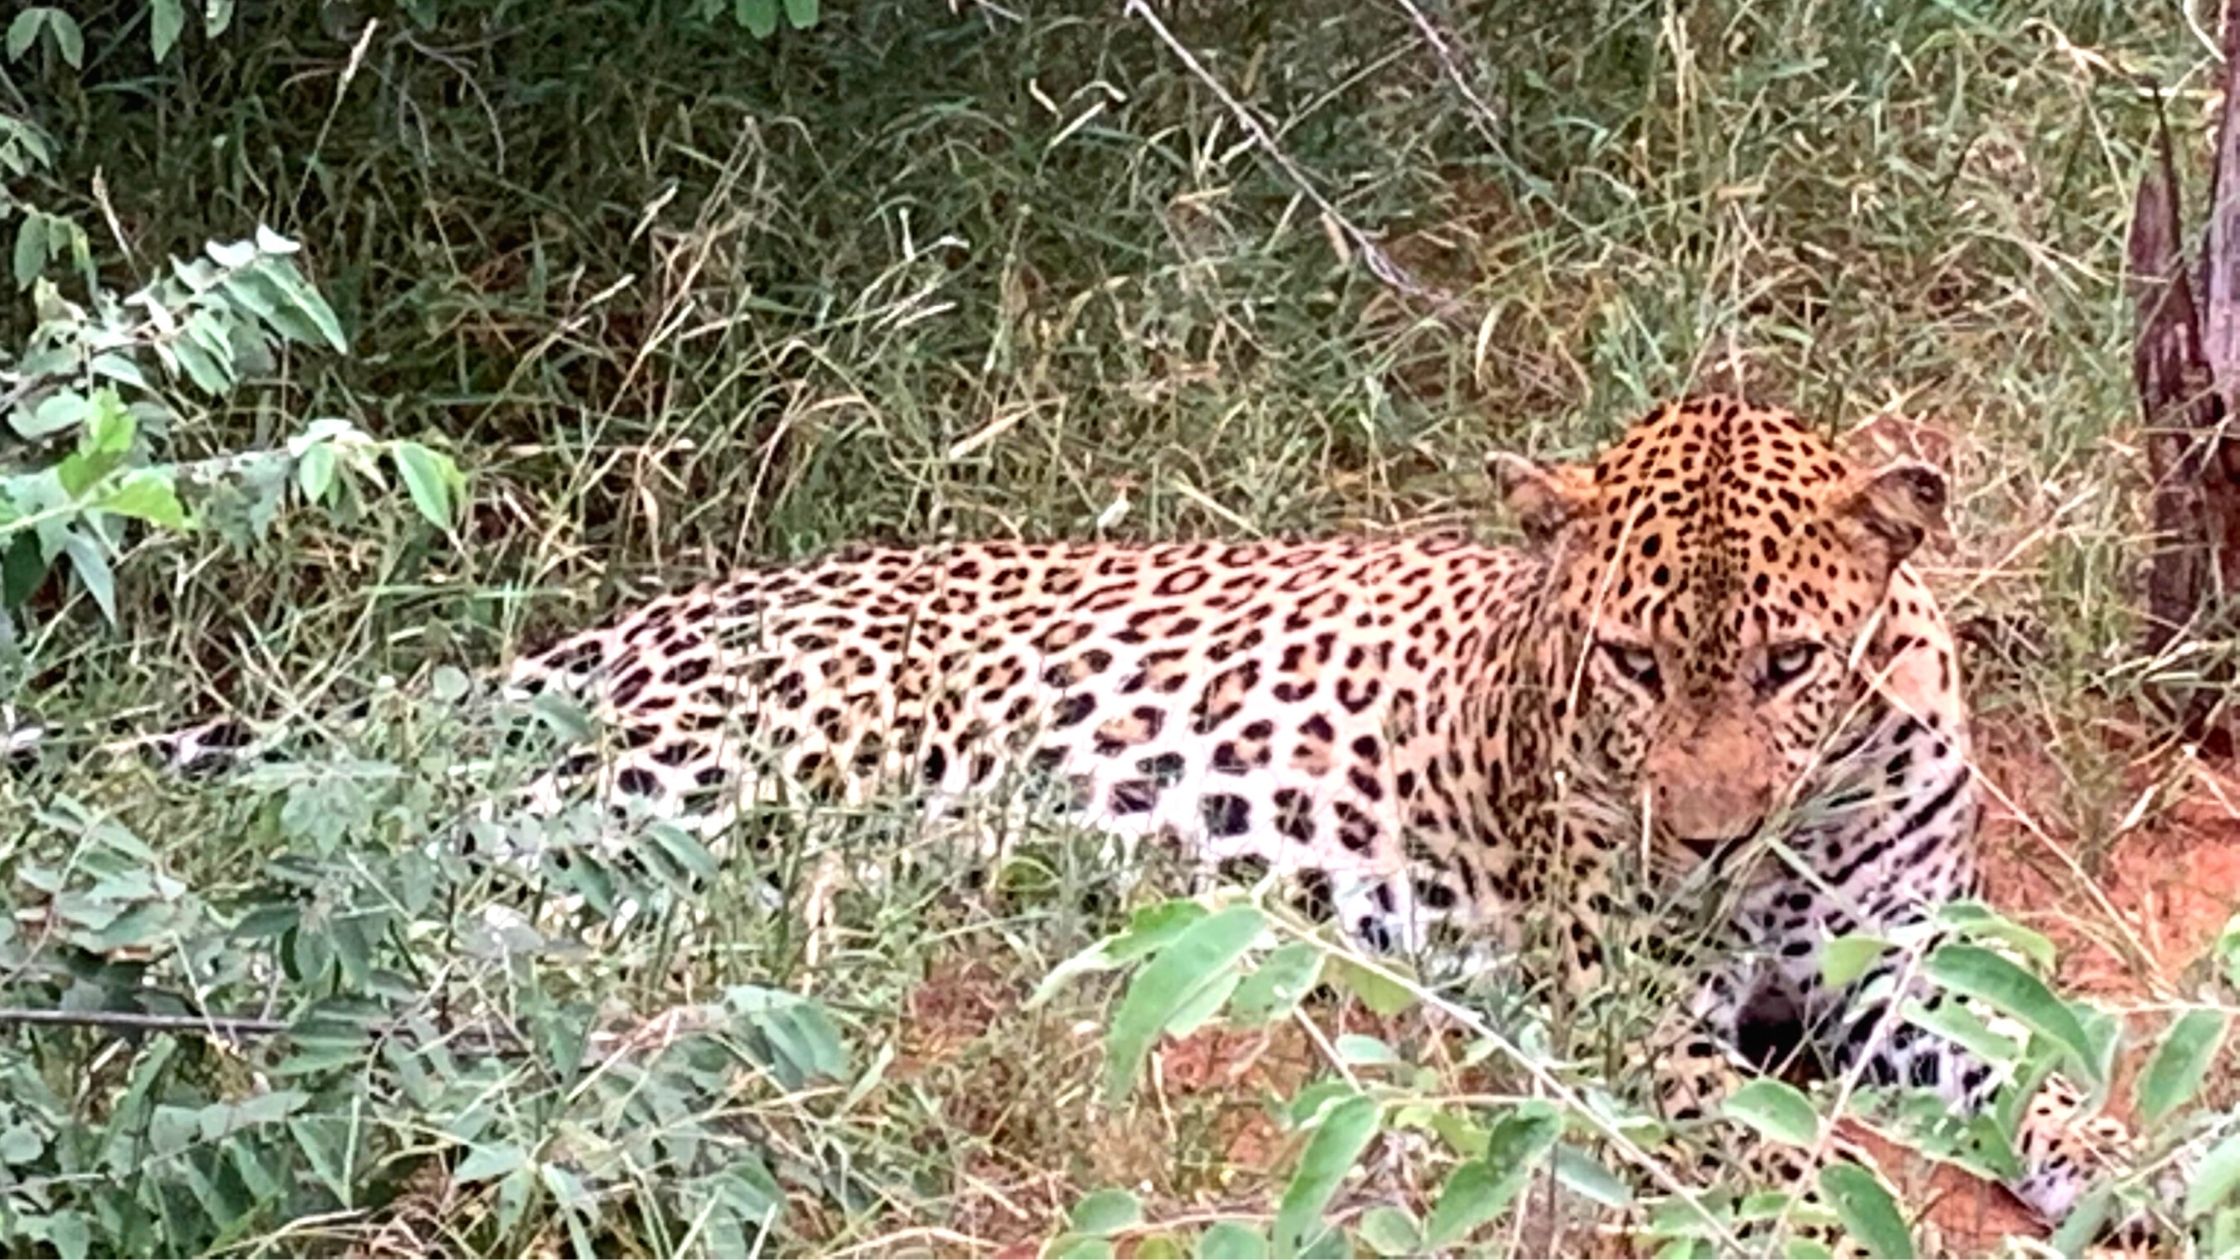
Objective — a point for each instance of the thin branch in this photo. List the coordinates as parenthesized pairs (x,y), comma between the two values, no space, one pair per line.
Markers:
(1394,276)
(1483,116)
(226,1026)
(141,1021)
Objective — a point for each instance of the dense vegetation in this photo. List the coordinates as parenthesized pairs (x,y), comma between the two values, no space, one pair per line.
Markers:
(354,347)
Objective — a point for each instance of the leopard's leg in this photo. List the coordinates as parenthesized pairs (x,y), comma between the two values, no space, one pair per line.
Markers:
(2061,1144)
(1700,1063)
(1696,1051)
(1605,965)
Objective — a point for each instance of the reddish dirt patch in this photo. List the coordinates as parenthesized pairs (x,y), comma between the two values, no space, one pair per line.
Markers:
(2130,919)
(954,1007)
(1970,1215)
(1018,1095)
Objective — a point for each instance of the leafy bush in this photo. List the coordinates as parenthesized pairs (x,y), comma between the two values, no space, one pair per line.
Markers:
(107,381)
(105,390)
(1194,964)
(290,1059)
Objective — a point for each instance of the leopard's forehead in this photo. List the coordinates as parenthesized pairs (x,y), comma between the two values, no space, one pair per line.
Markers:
(1719,453)
(1711,519)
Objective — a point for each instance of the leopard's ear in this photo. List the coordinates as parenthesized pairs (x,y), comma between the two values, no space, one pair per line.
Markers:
(1544,497)
(1897,506)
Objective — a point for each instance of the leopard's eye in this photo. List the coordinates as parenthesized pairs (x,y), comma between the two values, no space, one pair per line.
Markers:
(1636,663)
(1787,662)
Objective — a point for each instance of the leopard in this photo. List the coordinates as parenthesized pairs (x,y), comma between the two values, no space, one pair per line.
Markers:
(1703,666)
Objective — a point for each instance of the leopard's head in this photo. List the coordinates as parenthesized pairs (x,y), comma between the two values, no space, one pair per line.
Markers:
(1713,579)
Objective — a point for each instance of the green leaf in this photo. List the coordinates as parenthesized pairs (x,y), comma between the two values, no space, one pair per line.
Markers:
(1207,949)
(80,473)
(217,331)
(1104,1213)
(1149,930)
(231,255)
(72,1238)
(801,14)
(2105,1033)
(20,1145)
(296,309)
(514,1190)
(1867,1210)
(2180,1063)
(31,244)
(1376,992)
(678,845)
(1391,1231)
(220,1119)
(1203,1005)
(1276,986)
(24,32)
(566,1188)
(171,1130)
(109,425)
(2214,1178)
(1777,1109)
(1979,973)
(1303,1109)
(2227,950)
(760,17)
(147,495)
(803,1037)
(91,566)
(255,292)
(1153,928)
(1585,1175)
(1846,958)
(60,410)
(315,470)
(209,374)
(200,275)
(116,367)
(487,1163)
(1980,921)
(1229,1240)
(1955,1022)
(1363,1051)
(1770,1205)
(1478,1191)
(325,1143)
(68,39)
(428,478)
(166,18)
(1345,1132)
(23,566)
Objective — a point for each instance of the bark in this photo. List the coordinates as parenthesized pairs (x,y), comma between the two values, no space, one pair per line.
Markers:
(2172,374)
(2186,364)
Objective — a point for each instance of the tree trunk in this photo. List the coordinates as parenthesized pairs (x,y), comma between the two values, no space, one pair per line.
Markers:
(2186,363)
